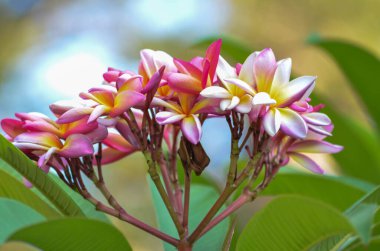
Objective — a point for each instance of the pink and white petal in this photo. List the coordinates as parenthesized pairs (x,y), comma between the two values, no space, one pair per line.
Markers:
(76,145)
(97,112)
(125,100)
(295,90)
(30,146)
(127,82)
(187,68)
(224,104)
(41,126)
(110,155)
(192,129)
(124,130)
(225,70)
(74,115)
(320,132)
(164,118)
(167,104)
(306,162)
(154,82)
(44,159)
(185,83)
(33,116)
(97,135)
(205,105)
(234,102)
(317,118)
(264,68)
(12,127)
(281,75)
(263,98)
(147,60)
(272,121)
(246,72)
(111,76)
(116,141)
(245,104)
(315,146)
(243,85)
(215,92)
(292,124)
(40,138)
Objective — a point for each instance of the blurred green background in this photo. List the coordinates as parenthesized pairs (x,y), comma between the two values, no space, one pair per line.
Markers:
(52,50)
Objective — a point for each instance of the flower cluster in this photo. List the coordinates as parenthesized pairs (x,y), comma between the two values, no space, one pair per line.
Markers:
(134,111)
(160,110)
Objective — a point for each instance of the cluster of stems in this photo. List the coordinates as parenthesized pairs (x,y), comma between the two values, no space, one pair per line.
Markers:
(163,170)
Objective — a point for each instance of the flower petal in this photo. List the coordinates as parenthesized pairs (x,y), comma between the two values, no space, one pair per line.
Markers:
(296,90)
(215,92)
(184,83)
(306,162)
(315,146)
(74,115)
(263,98)
(234,102)
(243,85)
(281,75)
(164,118)
(125,100)
(192,129)
(116,141)
(44,159)
(292,123)
(264,68)
(40,138)
(97,112)
(124,130)
(246,71)
(76,145)
(97,135)
(212,55)
(272,121)
(12,127)
(41,126)
(245,104)
(317,118)
(110,155)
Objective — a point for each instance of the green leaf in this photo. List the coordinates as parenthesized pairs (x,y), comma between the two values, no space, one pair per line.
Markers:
(360,66)
(21,163)
(201,199)
(292,223)
(17,245)
(362,214)
(72,234)
(331,190)
(231,48)
(15,215)
(13,189)
(87,208)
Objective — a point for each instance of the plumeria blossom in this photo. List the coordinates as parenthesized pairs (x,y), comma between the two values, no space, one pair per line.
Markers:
(267,81)
(170,97)
(232,96)
(151,62)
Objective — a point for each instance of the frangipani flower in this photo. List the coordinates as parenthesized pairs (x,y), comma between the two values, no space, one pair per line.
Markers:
(45,145)
(196,75)
(186,114)
(268,82)
(151,62)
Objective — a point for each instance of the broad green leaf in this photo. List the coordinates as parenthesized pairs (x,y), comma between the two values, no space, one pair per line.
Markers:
(362,214)
(13,189)
(292,223)
(332,243)
(328,189)
(15,215)
(231,48)
(360,66)
(201,199)
(72,234)
(16,159)
(88,209)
